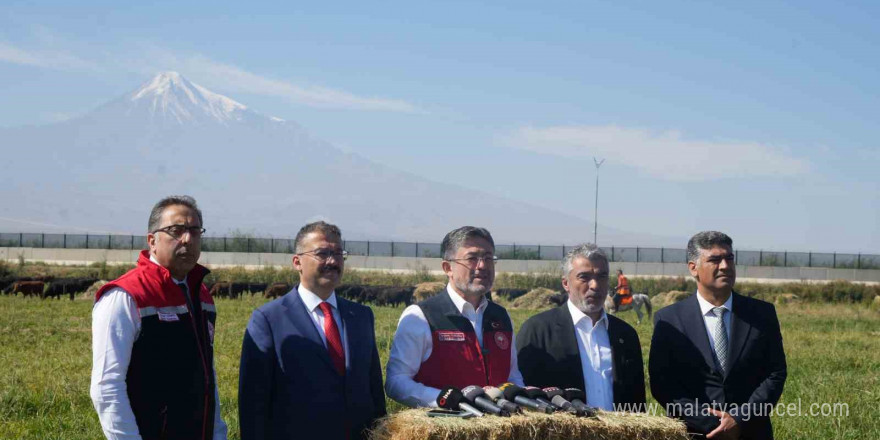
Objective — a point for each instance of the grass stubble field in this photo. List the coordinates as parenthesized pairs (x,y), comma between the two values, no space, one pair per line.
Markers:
(833,353)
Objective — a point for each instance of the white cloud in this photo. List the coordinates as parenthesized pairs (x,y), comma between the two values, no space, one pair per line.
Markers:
(232,78)
(50,59)
(666,155)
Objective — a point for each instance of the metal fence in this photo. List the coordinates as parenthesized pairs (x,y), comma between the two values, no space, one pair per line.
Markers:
(432,250)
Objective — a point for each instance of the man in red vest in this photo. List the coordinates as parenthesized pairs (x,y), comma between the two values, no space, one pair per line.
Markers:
(153,338)
(456,338)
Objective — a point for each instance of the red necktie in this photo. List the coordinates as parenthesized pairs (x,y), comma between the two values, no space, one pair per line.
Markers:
(334,340)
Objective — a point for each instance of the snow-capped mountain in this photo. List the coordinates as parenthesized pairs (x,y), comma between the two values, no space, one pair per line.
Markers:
(103,171)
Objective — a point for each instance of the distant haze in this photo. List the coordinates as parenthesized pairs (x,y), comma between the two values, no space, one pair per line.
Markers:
(250,172)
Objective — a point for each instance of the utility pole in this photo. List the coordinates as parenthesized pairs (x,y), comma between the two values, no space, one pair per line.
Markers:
(596,209)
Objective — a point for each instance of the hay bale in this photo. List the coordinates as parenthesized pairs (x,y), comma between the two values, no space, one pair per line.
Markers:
(539,298)
(426,290)
(659,300)
(93,289)
(415,424)
(876,303)
(786,298)
(675,296)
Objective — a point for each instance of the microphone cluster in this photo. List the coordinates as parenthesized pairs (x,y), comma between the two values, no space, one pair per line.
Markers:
(508,399)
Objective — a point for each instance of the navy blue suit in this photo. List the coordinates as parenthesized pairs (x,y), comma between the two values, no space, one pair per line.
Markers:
(288,387)
(684,369)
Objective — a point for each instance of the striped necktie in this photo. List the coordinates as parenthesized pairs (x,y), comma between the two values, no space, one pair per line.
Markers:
(719,336)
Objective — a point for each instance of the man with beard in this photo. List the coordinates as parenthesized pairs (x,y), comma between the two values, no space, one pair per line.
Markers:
(716,359)
(578,345)
(456,338)
(153,338)
(309,363)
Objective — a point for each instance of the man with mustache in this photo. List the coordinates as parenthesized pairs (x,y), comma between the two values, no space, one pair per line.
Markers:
(578,345)
(309,362)
(716,359)
(153,338)
(456,338)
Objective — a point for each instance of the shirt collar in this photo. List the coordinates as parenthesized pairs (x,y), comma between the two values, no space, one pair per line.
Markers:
(176,281)
(460,302)
(577,315)
(706,306)
(312,301)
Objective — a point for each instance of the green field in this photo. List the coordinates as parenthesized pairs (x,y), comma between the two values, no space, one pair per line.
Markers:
(45,361)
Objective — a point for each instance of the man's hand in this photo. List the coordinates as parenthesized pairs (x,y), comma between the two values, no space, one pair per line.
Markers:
(728,429)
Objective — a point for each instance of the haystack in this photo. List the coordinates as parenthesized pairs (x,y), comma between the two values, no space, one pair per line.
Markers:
(876,303)
(786,298)
(414,424)
(668,298)
(539,298)
(426,290)
(93,289)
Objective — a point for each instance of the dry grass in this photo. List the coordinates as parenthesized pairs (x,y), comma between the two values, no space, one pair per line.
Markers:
(666,298)
(537,299)
(426,290)
(414,424)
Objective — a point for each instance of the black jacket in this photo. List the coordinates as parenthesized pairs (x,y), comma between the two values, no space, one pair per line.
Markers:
(685,371)
(548,356)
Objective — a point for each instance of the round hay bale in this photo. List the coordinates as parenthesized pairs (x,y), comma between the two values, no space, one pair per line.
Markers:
(786,298)
(426,290)
(539,298)
(659,300)
(93,289)
(676,296)
(876,303)
(415,424)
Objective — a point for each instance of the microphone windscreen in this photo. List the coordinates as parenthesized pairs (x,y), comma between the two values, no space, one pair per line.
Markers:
(493,393)
(472,392)
(575,394)
(449,398)
(553,392)
(510,391)
(535,393)
(560,401)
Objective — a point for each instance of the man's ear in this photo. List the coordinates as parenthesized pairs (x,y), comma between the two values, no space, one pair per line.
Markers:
(151,241)
(692,267)
(447,267)
(565,283)
(297,264)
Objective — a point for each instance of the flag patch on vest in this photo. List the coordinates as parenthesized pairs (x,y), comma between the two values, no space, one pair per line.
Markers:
(170,317)
(501,340)
(451,336)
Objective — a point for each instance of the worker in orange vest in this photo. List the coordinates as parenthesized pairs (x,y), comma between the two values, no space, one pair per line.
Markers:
(624,293)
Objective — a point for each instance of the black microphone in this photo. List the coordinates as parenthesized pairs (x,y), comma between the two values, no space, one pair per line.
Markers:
(496,395)
(451,398)
(477,397)
(557,398)
(518,396)
(539,395)
(577,398)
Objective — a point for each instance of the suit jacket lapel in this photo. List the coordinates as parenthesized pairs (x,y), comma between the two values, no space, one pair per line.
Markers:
(739,331)
(350,330)
(617,350)
(300,318)
(567,340)
(695,329)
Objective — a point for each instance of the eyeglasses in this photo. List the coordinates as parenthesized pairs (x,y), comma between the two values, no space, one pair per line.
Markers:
(177,231)
(326,254)
(473,261)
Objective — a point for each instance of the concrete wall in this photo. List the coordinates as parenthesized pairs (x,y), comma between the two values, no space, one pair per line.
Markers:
(404,264)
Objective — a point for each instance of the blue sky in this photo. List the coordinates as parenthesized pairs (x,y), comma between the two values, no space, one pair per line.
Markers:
(750,117)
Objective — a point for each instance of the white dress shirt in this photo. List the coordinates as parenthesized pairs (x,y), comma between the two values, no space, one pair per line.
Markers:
(594,348)
(710,319)
(116,324)
(313,305)
(412,346)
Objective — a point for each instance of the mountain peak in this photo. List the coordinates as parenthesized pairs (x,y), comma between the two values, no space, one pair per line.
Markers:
(170,96)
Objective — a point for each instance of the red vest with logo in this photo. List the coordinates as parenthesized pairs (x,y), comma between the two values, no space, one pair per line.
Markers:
(457,359)
(170,377)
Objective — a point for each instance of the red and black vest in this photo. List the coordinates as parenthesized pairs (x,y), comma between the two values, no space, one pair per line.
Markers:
(457,359)
(170,378)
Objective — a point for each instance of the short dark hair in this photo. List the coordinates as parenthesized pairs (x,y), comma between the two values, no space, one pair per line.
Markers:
(704,241)
(453,240)
(319,226)
(159,208)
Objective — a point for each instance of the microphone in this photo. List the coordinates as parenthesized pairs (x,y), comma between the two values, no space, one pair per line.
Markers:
(451,398)
(496,395)
(577,398)
(476,396)
(557,398)
(518,396)
(539,395)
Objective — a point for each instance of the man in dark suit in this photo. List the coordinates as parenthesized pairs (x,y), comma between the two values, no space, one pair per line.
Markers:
(309,363)
(578,345)
(716,357)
